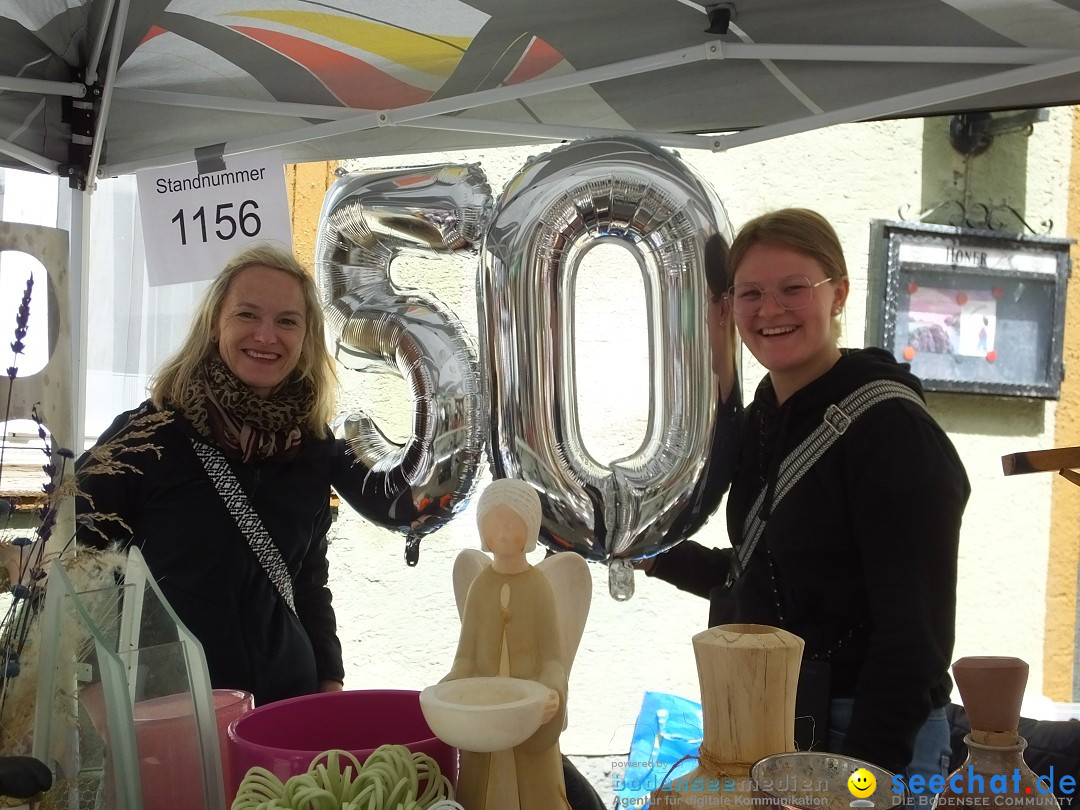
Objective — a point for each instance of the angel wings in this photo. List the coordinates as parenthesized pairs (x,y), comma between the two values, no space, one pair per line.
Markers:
(571,584)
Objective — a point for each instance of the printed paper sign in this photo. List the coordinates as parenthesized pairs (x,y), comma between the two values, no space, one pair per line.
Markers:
(193,224)
(952,322)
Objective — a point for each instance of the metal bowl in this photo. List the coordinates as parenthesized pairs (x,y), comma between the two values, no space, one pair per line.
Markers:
(813,780)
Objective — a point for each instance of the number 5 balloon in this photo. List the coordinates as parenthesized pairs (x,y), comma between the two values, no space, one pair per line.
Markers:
(367,219)
(552,212)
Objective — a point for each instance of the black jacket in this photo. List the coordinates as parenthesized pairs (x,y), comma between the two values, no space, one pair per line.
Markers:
(859,559)
(204,565)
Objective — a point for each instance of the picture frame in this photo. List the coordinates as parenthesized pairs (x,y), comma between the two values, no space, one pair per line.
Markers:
(971,311)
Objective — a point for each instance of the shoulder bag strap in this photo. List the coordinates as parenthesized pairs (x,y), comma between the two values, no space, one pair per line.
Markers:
(838,418)
(247,520)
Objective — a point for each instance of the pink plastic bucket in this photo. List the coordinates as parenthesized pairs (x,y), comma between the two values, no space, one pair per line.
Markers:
(285,736)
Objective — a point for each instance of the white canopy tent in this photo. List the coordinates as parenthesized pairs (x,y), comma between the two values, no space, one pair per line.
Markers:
(94,89)
(165,81)
(100,88)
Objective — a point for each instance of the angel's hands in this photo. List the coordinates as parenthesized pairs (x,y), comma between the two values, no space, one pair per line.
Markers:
(551,707)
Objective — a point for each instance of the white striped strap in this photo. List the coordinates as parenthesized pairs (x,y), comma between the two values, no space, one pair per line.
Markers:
(247,520)
(838,418)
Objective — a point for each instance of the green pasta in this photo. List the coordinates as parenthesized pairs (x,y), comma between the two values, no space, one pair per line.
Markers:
(392,778)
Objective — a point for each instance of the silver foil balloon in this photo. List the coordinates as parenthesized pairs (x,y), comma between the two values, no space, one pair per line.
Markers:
(367,219)
(552,212)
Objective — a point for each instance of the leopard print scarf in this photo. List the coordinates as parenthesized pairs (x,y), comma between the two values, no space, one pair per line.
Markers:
(245,426)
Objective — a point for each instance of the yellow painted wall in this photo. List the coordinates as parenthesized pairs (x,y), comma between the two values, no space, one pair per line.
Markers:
(1065,516)
(306,185)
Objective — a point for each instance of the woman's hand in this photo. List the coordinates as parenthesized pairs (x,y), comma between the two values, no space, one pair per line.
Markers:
(723,344)
(645,565)
(331,686)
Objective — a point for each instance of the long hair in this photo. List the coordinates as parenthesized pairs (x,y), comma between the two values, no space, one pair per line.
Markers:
(170,384)
(798,229)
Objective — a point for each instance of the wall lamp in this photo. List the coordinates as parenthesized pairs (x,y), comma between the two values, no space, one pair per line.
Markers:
(972,133)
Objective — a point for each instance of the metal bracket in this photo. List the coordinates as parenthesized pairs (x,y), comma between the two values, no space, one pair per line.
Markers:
(81,114)
(973,133)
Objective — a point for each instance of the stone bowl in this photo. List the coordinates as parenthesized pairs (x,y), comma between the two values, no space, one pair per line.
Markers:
(484,714)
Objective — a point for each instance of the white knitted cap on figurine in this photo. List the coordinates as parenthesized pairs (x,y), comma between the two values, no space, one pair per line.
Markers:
(520,497)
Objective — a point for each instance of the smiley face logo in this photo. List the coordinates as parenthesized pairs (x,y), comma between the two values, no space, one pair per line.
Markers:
(862,784)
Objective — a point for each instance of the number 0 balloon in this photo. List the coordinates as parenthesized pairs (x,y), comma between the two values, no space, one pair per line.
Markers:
(551,214)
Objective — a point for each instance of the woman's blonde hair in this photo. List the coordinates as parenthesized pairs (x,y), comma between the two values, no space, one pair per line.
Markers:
(798,229)
(170,384)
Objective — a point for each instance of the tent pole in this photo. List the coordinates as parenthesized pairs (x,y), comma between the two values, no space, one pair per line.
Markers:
(99,43)
(522,129)
(242,105)
(78,267)
(903,103)
(28,157)
(106,95)
(413,112)
(915,54)
(559,132)
(42,87)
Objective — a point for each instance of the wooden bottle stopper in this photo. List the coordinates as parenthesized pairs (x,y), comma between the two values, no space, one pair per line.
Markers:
(992,690)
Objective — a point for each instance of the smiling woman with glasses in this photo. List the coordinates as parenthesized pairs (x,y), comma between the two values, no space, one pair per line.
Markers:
(844,502)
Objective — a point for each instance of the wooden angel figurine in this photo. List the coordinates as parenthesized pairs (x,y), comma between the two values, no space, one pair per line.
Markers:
(518,621)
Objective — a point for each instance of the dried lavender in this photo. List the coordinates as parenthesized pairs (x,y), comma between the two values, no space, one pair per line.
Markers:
(23,560)
(22,322)
(14,626)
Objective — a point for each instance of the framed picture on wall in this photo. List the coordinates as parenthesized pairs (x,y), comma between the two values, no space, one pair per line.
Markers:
(971,311)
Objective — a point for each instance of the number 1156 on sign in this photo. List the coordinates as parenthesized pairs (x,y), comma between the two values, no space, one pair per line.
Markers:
(227,221)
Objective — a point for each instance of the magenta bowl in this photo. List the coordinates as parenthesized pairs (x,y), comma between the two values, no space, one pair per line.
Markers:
(285,736)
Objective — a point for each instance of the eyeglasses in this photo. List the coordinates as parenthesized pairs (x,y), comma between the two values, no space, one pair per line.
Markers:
(793,292)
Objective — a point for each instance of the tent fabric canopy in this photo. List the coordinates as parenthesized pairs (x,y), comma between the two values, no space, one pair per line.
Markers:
(111,86)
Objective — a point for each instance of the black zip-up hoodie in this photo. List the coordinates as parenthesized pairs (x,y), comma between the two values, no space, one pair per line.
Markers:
(859,559)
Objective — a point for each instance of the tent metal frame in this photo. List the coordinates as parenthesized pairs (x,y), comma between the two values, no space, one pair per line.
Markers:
(1036,65)
(1032,64)
(1025,65)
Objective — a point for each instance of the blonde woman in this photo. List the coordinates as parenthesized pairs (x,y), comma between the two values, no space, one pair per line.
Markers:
(226,486)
